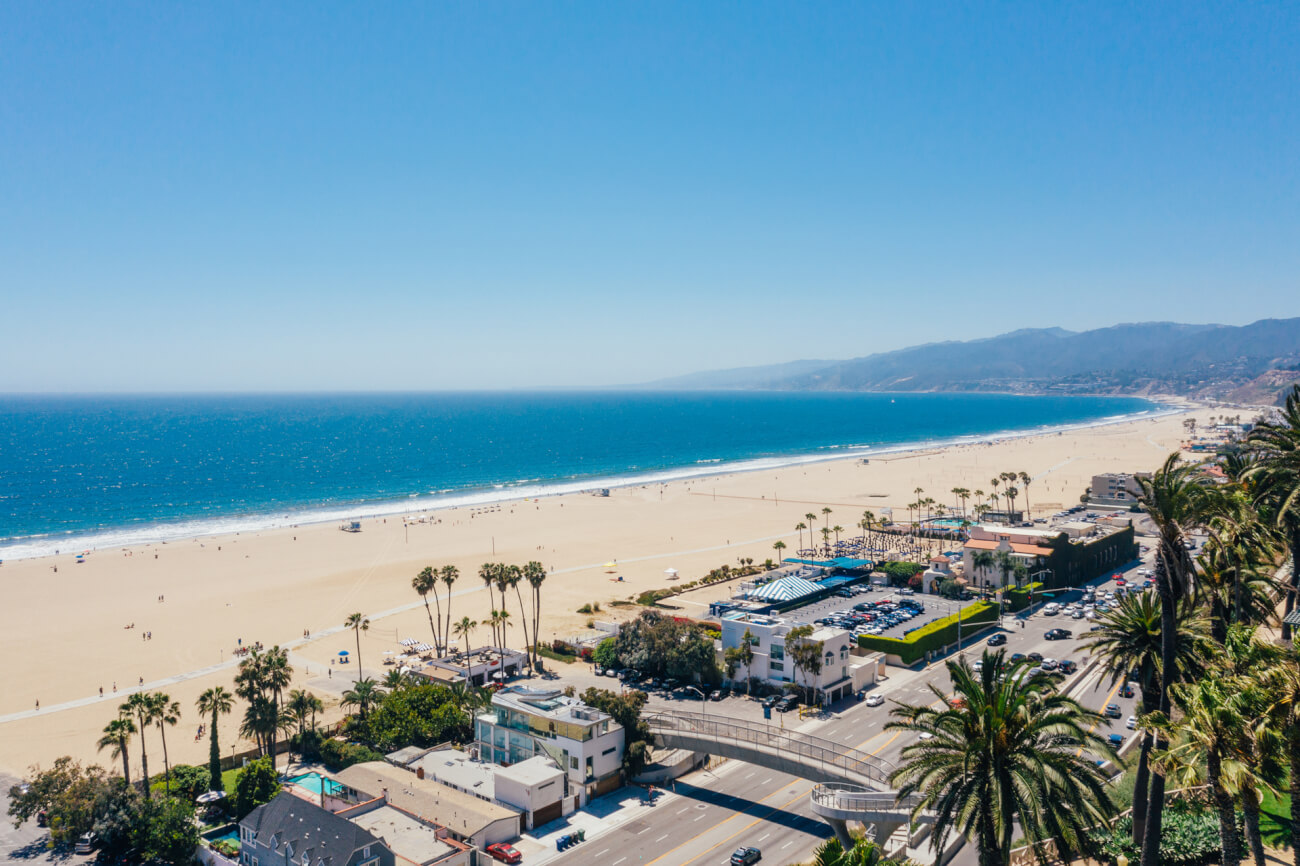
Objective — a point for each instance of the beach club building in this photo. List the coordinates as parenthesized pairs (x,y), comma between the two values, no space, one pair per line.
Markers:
(1056,557)
(842,673)
(524,723)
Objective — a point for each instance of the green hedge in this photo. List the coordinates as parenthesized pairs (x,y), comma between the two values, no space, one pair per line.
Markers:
(1018,599)
(929,637)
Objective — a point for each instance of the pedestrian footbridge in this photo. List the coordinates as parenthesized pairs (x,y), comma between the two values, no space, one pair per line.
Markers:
(853,785)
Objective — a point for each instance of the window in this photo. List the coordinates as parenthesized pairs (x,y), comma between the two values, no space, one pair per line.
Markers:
(777,652)
(254,861)
(365,852)
(608,751)
(573,763)
(775,666)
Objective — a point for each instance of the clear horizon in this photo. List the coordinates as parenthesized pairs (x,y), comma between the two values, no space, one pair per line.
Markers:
(571,196)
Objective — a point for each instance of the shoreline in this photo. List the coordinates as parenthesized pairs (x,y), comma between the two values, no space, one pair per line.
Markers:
(123,538)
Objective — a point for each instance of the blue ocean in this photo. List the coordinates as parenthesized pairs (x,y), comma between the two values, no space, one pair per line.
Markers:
(83,472)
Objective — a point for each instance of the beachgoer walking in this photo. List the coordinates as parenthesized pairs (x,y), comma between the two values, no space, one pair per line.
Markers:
(101,691)
(38,704)
(114,687)
(141,680)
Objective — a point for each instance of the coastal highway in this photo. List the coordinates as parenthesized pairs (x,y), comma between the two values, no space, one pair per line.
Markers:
(712,812)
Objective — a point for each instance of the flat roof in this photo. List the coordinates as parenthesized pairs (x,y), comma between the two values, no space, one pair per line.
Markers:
(533,771)
(461,813)
(407,836)
(456,769)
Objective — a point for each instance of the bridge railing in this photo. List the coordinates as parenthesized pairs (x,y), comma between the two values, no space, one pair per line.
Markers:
(858,799)
(825,754)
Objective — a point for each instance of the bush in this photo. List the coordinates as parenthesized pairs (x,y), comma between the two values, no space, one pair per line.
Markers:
(256,784)
(1018,599)
(932,636)
(1189,837)
(187,782)
(339,754)
(900,572)
(606,655)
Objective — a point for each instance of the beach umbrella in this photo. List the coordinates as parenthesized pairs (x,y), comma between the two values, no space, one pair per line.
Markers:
(343,652)
(670,571)
(210,797)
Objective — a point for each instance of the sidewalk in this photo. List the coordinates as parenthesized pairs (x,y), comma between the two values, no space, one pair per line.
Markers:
(597,818)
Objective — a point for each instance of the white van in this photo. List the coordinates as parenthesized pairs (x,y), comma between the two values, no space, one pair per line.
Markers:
(1052,608)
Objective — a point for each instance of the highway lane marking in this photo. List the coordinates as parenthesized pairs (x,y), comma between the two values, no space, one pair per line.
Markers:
(661,838)
(768,779)
(642,830)
(698,817)
(787,844)
(764,836)
(683,809)
(606,851)
(752,775)
(618,861)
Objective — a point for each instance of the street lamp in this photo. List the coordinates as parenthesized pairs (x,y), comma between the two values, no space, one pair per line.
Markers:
(703,697)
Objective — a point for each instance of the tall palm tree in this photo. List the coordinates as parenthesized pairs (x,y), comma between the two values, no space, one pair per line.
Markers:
(1277,475)
(811,517)
(301,704)
(800,527)
(1173,497)
(994,495)
(117,737)
(214,702)
(1002,750)
(277,674)
(1127,638)
(358,624)
(837,529)
(448,575)
(981,561)
(1024,482)
(144,710)
(363,695)
(516,578)
(168,715)
(424,583)
(778,546)
(535,574)
(826,538)
(1283,683)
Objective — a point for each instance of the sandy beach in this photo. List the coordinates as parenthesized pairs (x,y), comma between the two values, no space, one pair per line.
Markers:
(66,633)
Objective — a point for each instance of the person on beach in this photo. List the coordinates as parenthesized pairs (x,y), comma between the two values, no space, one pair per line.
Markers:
(101,691)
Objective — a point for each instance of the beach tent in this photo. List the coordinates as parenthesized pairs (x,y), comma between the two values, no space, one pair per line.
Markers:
(785,589)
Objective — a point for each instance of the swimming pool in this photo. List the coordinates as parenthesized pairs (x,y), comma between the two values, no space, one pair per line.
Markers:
(946,522)
(228,838)
(315,783)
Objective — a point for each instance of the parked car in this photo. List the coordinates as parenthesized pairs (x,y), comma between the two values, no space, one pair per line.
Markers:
(504,852)
(997,640)
(875,700)
(1058,634)
(716,695)
(786,704)
(771,701)
(85,843)
(1035,657)
(1017,657)
(1067,666)
(746,857)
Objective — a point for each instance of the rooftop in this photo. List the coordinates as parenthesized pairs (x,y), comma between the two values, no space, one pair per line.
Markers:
(461,813)
(460,771)
(404,834)
(311,830)
(550,703)
(785,589)
(531,772)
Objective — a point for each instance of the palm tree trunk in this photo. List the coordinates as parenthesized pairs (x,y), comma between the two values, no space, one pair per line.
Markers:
(1228,839)
(1143,777)
(144,764)
(437,635)
(214,757)
(1169,675)
(1250,808)
(432,628)
(357,632)
(523,622)
(126,766)
(167,766)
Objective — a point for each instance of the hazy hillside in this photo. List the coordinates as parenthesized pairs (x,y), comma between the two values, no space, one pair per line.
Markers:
(1145,358)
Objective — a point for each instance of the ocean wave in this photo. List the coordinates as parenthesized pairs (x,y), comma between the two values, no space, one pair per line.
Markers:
(48,544)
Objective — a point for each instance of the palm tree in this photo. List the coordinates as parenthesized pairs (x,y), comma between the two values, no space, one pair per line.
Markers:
(517,577)
(826,539)
(1001,750)
(1024,482)
(1277,474)
(800,527)
(168,715)
(1283,683)
(535,574)
(358,624)
(424,583)
(994,495)
(981,561)
(863,853)
(117,736)
(145,710)
(300,705)
(394,680)
(464,629)
(778,546)
(837,529)
(1172,498)
(826,515)
(812,524)
(214,702)
(1127,639)
(364,694)
(277,674)
(448,575)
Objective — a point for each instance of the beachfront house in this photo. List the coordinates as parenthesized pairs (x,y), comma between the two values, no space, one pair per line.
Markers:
(537,787)
(1054,557)
(290,829)
(842,673)
(482,666)
(523,723)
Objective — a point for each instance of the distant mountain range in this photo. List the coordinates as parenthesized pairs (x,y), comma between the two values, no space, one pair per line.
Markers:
(1252,363)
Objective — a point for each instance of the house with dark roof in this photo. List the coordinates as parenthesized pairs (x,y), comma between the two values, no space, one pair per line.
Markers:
(290,831)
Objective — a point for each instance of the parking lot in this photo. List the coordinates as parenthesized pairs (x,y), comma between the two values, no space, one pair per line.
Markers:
(931,607)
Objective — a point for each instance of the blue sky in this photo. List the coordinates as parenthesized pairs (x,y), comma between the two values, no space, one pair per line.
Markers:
(439,195)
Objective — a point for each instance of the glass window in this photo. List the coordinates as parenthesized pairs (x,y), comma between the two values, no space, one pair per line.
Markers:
(777,651)
(775,666)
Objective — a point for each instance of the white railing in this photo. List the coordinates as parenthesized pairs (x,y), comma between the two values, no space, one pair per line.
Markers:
(853,798)
(831,758)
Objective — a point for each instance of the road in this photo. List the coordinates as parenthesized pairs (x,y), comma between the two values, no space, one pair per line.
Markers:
(713,812)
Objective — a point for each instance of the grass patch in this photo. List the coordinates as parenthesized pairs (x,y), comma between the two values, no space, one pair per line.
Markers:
(548,653)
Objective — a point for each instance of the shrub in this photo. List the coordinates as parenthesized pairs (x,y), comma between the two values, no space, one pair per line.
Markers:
(256,784)
(1189,837)
(932,636)
(339,754)
(898,572)
(1018,599)
(606,655)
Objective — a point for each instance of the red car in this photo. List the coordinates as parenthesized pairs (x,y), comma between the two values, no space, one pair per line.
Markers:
(505,853)
(1119,581)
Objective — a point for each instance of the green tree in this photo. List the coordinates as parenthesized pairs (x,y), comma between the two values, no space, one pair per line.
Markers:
(171,835)
(1275,477)
(168,715)
(806,656)
(357,623)
(363,695)
(189,781)
(606,653)
(800,527)
(516,577)
(256,784)
(1174,498)
(424,583)
(448,575)
(625,709)
(215,702)
(779,547)
(144,710)
(1002,750)
(463,630)
(69,794)
(1127,638)
(117,738)
(863,853)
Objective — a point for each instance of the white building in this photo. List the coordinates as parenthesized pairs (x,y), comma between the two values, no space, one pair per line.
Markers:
(841,673)
(526,722)
(537,787)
